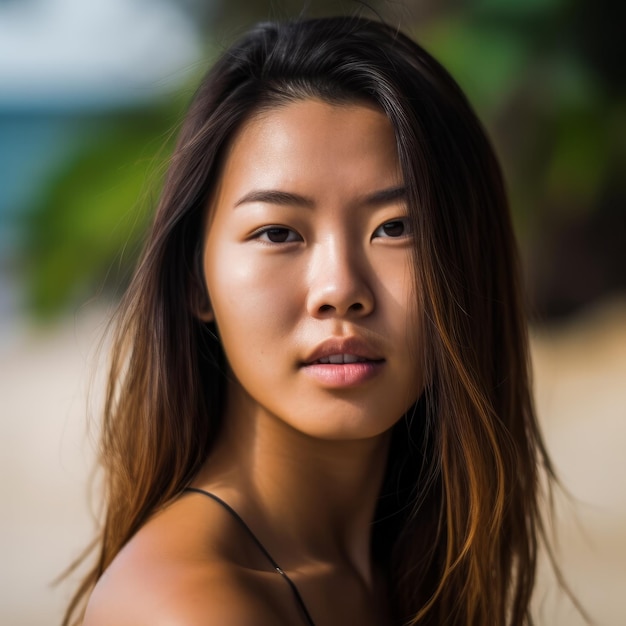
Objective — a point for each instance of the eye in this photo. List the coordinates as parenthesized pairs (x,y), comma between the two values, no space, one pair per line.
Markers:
(277,234)
(393,229)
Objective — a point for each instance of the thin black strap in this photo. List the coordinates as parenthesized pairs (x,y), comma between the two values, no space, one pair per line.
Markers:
(262,548)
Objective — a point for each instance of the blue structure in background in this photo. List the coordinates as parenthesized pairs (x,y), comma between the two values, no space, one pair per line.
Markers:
(34,145)
(62,66)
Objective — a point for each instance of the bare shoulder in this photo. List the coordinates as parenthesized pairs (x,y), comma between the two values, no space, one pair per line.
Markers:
(183,568)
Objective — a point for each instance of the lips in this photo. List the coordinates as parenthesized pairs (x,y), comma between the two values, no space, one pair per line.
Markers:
(339,359)
(343,350)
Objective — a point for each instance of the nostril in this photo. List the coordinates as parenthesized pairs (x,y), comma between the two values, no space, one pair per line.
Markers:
(355,307)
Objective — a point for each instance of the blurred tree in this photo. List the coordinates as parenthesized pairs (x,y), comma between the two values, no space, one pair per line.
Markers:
(84,234)
(548,79)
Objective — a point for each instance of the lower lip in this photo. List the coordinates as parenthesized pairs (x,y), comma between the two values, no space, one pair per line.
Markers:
(343,375)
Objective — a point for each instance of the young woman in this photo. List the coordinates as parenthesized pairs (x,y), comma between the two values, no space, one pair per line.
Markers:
(319,408)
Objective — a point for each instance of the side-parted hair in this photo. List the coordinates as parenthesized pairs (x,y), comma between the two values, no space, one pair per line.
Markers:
(458,524)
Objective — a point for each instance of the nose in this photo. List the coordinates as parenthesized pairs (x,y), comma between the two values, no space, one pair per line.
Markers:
(339,282)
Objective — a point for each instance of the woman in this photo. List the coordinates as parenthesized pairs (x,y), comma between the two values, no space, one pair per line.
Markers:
(319,408)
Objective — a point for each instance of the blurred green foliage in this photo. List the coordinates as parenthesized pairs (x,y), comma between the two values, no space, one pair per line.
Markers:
(548,79)
(550,110)
(85,233)
(546,76)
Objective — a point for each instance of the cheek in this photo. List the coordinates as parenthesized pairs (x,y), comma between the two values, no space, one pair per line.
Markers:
(249,298)
(403,312)
(396,290)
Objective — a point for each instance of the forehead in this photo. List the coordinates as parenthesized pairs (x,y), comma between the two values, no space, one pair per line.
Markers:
(315,146)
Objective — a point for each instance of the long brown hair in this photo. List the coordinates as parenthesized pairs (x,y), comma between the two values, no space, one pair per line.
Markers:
(458,522)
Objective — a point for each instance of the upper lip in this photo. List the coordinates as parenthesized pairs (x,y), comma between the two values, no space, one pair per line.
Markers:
(353,345)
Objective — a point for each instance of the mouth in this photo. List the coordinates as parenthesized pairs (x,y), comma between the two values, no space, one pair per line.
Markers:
(343,371)
(343,351)
(343,362)
(341,359)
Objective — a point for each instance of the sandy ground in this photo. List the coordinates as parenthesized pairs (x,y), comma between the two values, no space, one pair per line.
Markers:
(580,373)
(46,458)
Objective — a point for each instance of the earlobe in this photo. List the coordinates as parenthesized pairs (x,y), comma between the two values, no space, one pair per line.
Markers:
(201,305)
(200,300)
(206,313)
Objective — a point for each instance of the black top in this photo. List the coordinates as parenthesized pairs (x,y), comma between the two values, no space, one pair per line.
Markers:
(279,570)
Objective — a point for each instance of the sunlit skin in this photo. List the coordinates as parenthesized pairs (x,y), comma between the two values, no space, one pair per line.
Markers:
(308,242)
(306,248)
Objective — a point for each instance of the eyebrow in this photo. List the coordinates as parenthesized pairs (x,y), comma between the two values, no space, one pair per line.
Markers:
(273,196)
(385,196)
(286,198)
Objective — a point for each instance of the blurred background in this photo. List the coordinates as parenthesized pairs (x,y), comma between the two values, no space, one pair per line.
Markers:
(90,97)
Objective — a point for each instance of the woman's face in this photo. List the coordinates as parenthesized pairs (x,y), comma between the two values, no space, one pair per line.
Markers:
(307,260)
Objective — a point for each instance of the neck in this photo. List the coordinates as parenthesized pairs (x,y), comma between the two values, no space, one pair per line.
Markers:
(318,497)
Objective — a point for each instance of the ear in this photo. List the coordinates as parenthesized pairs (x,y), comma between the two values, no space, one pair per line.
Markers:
(206,313)
(199,300)
(200,303)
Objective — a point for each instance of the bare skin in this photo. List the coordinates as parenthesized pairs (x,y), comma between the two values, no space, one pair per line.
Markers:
(302,454)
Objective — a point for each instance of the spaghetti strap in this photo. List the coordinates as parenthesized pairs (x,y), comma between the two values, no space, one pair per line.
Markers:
(268,556)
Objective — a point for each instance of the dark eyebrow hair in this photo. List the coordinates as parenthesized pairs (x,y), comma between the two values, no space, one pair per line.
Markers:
(274,196)
(385,196)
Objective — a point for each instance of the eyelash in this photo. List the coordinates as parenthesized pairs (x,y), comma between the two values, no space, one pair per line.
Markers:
(261,233)
(292,236)
(406,230)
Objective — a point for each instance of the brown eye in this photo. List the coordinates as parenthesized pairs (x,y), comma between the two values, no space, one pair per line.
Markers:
(392,229)
(277,234)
